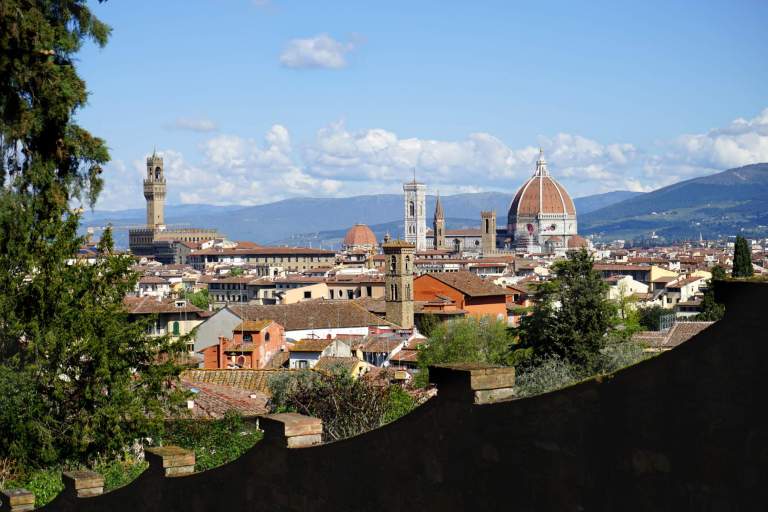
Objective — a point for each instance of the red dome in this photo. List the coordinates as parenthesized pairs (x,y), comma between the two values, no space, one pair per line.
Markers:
(359,235)
(541,194)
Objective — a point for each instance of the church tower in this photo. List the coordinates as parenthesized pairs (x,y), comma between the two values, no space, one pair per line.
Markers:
(438,225)
(398,282)
(488,232)
(415,218)
(154,191)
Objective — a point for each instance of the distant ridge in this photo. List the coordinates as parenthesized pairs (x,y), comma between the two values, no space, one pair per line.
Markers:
(731,202)
(297,221)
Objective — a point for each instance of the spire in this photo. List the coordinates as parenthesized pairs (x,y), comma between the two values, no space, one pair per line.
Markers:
(541,165)
(439,213)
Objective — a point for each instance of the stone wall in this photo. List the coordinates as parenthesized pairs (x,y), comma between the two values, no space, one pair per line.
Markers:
(686,430)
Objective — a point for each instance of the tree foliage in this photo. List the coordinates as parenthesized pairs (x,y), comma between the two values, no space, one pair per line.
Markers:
(200,298)
(571,316)
(467,340)
(347,406)
(711,310)
(742,259)
(76,377)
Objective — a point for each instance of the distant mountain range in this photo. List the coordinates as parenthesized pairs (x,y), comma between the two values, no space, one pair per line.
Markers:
(323,221)
(723,204)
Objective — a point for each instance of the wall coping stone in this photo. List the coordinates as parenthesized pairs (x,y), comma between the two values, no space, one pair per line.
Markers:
(292,429)
(176,461)
(16,500)
(84,483)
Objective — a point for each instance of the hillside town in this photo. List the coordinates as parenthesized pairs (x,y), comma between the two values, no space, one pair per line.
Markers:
(266,307)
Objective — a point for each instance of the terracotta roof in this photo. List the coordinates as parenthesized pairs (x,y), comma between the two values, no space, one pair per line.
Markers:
(463,232)
(327,363)
(680,332)
(241,347)
(382,344)
(541,194)
(406,356)
(467,283)
(152,280)
(278,360)
(684,281)
(252,325)
(248,379)
(359,234)
(212,401)
(150,305)
(264,251)
(314,345)
(311,314)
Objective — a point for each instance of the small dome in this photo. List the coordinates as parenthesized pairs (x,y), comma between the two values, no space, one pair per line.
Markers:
(577,242)
(359,235)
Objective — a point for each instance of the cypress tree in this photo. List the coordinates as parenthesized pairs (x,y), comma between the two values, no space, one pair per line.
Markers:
(742,259)
(77,378)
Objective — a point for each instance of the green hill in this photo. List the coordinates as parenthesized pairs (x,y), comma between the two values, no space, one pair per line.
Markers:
(722,204)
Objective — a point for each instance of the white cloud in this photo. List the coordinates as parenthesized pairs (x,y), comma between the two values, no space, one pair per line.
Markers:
(339,161)
(740,143)
(321,51)
(201,125)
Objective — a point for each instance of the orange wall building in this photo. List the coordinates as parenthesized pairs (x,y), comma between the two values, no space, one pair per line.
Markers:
(252,345)
(469,292)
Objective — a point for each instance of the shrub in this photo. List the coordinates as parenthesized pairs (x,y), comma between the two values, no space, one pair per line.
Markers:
(215,442)
(549,374)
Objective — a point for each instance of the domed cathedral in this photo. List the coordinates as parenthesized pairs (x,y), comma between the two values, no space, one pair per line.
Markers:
(542,217)
(359,238)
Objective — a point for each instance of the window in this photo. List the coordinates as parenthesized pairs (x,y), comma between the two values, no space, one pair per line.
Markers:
(307,295)
(392,263)
(247,338)
(411,209)
(176,329)
(368,291)
(407,292)
(266,337)
(350,294)
(302,364)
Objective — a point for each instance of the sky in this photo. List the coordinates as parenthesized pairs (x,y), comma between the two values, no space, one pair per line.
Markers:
(253,101)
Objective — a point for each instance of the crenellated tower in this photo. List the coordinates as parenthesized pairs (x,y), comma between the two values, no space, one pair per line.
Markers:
(154,191)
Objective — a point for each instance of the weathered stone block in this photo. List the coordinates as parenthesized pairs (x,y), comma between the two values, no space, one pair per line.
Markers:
(464,381)
(84,483)
(489,396)
(175,460)
(304,441)
(16,500)
(292,429)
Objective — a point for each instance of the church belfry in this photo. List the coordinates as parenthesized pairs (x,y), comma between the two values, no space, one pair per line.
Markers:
(415,218)
(154,191)
(488,232)
(398,282)
(438,225)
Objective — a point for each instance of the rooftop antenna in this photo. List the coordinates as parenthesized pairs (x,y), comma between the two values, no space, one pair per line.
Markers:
(414,175)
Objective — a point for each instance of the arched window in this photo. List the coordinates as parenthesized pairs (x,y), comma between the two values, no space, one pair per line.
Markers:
(176,329)
(487,226)
(157,173)
(240,361)
(266,337)
(411,209)
(392,264)
(407,263)
(407,292)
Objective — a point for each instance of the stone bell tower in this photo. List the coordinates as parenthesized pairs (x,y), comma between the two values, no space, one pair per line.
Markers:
(154,191)
(398,282)
(488,232)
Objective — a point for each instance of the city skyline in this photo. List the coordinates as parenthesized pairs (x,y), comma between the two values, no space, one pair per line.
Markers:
(251,102)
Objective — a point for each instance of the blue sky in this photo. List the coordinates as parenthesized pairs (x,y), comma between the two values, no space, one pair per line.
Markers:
(251,101)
